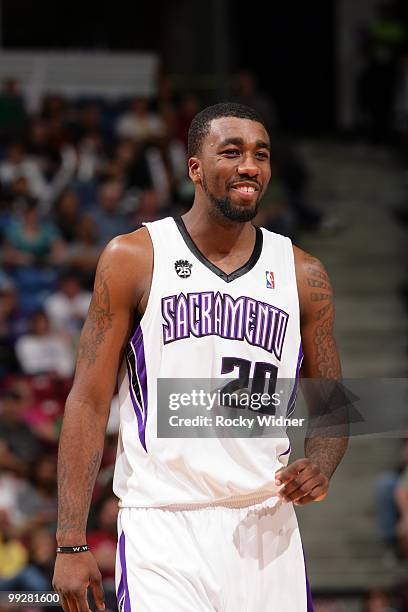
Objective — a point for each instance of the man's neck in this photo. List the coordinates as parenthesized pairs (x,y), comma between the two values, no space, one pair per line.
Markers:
(218,236)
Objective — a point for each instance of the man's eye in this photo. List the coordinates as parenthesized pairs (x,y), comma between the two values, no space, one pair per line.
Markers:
(262,155)
(231,152)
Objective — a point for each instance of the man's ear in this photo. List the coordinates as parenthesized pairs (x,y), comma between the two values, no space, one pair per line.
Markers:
(194,170)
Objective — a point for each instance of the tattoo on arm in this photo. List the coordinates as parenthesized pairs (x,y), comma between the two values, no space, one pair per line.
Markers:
(73,510)
(326,356)
(322,311)
(98,322)
(326,451)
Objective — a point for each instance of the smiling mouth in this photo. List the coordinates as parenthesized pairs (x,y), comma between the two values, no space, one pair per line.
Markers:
(245,189)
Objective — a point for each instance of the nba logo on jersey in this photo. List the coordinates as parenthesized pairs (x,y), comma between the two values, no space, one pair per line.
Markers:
(270,280)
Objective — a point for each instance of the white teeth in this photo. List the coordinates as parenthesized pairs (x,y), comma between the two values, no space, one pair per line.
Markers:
(246,189)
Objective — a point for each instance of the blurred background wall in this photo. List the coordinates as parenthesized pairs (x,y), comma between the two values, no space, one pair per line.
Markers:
(95,104)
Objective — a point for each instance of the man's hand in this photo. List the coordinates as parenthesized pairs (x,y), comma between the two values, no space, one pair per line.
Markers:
(73,574)
(303,482)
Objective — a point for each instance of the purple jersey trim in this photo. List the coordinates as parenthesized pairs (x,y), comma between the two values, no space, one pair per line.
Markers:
(138,343)
(292,400)
(138,378)
(308,594)
(120,591)
(309,599)
(123,580)
(286,451)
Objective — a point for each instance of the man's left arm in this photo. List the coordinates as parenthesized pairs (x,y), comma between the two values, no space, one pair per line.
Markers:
(307,480)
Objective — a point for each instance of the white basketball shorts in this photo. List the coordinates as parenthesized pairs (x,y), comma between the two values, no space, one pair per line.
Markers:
(215,559)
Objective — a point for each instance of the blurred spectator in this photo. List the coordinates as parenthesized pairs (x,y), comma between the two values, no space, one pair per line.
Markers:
(17,164)
(167,162)
(108,212)
(17,190)
(12,111)
(43,351)
(83,253)
(37,499)
(29,569)
(13,555)
(386,502)
(19,446)
(12,324)
(67,214)
(37,145)
(31,241)
(149,208)
(43,398)
(378,600)
(91,159)
(67,308)
(401,500)
(54,107)
(87,122)
(139,123)
(128,165)
(46,157)
(55,160)
(41,548)
(11,483)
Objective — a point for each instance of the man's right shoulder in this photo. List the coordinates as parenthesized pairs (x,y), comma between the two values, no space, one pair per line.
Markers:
(130,249)
(129,257)
(134,245)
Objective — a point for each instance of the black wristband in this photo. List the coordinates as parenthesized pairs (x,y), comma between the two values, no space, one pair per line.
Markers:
(72,549)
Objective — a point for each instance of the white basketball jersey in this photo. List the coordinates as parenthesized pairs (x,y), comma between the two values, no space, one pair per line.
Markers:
(198,322)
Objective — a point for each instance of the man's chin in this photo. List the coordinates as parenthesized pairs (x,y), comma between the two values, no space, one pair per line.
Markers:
(240,214)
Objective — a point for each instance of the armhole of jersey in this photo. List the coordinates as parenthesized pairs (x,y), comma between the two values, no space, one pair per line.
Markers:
(150,300)
(292,265)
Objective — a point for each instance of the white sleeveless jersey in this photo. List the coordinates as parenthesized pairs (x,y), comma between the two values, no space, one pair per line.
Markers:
(197,317)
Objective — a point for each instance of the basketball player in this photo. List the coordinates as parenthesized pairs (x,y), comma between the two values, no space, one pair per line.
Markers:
(204,524)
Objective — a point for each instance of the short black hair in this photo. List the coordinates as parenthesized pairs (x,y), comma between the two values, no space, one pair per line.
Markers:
(200,125)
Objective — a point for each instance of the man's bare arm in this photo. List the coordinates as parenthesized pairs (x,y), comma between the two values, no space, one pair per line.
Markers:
(123,273)
(321,357)
(87,407)
(307,479)
(86,414)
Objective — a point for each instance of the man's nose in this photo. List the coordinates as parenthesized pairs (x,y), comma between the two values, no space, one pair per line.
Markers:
(249,166)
